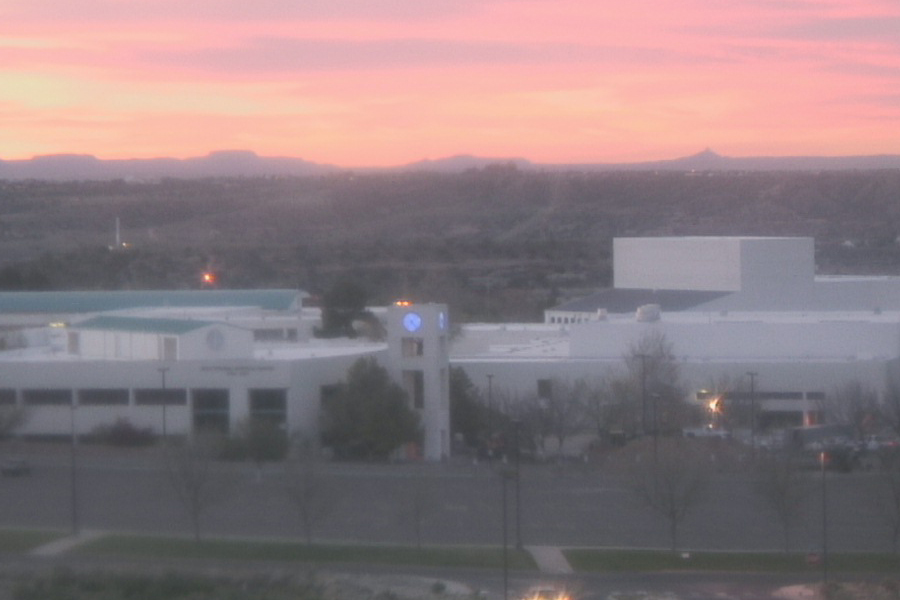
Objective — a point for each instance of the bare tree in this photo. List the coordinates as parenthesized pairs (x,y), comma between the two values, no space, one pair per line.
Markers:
(781,485)
(563,410)
(653,368)
(854,404)
(190,466)
(674,482)
(602,404)
(306,487)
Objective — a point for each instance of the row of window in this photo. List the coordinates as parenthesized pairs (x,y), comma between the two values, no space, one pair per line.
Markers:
(262,401)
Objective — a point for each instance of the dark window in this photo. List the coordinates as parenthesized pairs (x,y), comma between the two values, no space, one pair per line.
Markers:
(412,347)
(7,397)
(47,397)
(102,397)
(159,396)
(414,382)
(269,404)
(211,412)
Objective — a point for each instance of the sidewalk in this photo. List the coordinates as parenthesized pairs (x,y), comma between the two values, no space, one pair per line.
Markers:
(550,559)
(63,545)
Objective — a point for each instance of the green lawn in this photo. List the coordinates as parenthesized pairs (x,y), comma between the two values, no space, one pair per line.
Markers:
(149,546)
(652,560)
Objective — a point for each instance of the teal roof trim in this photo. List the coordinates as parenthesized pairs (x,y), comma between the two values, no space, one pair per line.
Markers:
(142,325)
(100,301)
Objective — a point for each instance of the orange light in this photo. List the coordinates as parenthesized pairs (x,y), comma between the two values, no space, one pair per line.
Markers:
(209,278)
(402,303)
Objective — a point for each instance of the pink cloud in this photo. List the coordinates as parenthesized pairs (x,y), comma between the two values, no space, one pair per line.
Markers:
(360,82)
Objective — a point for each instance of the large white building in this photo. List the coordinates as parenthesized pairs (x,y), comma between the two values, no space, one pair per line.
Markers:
(177,361)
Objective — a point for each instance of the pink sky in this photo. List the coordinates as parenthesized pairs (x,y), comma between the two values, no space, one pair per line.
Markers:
(386,82)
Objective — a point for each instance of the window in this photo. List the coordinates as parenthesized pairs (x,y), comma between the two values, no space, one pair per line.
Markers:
(102,397)
(47,397)
(159,396)
(270,405)
(7,397)
(412,347)
(414,384)
(211,410)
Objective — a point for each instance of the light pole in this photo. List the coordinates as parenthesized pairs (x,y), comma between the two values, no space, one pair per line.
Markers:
(655,397)
(643,358)
(503,477)
(74,469)
(823,458)
(516,424)
(752,375)
(490,433)
(162,372)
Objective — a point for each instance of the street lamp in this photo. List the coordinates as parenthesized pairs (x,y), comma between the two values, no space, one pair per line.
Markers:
(516,424)
(490,440)
(74,468)
(823,458)
(162,372)
(753,375)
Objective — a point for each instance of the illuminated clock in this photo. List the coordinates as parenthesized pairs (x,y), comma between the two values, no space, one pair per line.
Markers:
(412,321)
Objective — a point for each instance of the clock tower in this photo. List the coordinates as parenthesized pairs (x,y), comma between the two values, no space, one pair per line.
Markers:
(419,358)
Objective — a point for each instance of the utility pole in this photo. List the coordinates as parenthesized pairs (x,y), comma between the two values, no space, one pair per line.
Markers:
(490,432)
(165,400)
(643,358)
(753,375)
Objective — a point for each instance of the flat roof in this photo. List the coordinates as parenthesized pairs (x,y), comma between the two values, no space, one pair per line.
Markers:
(142,324)
(84,302)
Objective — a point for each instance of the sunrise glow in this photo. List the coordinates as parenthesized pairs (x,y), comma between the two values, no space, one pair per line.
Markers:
(363,83)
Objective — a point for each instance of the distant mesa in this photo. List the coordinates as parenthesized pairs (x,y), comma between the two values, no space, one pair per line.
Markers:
(246,163)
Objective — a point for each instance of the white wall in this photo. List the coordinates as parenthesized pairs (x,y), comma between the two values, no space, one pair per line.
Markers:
(690,263)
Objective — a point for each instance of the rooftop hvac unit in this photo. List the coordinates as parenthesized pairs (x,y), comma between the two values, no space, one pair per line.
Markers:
(647,313)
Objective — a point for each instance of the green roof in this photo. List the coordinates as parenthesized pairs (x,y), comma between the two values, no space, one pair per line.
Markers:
(142,325)
(100,301)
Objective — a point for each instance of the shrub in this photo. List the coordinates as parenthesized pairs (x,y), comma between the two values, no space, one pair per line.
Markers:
(123,433)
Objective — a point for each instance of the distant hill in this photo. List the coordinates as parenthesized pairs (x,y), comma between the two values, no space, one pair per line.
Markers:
(245,163)
(226,163)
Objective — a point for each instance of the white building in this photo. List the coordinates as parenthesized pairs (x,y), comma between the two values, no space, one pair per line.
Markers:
(176,361)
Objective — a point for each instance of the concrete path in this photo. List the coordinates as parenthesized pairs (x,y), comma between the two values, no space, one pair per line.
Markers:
(63,545)
(550,559)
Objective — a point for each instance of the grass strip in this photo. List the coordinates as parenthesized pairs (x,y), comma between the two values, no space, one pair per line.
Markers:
(150,546)
(22,541)
(606,561)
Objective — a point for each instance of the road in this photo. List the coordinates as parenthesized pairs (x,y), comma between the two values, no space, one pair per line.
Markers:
(572,505)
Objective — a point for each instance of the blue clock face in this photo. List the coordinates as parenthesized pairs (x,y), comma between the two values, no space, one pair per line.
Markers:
(412,321)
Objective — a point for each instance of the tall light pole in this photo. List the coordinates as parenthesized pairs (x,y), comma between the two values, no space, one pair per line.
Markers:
(516,424)
(74,468)
(823,458)
(753,375)
(490,439)
(162,372)
(643,358)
